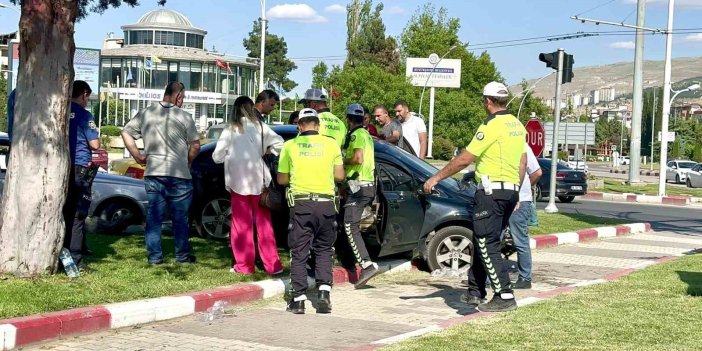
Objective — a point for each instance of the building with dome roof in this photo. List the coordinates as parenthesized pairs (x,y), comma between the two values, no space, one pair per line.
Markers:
(164,46)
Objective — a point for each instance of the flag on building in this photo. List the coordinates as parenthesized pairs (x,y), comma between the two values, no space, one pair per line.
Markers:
(148,64)
(155,59)
(223,65)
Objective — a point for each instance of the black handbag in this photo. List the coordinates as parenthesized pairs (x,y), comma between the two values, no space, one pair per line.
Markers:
(271,197)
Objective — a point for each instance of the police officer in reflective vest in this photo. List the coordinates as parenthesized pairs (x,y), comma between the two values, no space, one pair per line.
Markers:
(359,160)
(498,149)
(329,124)
(311,164)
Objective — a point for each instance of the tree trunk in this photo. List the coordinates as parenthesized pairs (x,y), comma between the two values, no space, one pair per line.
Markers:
(32,223)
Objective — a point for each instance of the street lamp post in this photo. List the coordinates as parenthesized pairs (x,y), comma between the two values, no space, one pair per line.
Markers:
(263,45)
(431,99)
(667,87)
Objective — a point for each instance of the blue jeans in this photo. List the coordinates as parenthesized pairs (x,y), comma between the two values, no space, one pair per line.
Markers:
(518,222)
(172,194)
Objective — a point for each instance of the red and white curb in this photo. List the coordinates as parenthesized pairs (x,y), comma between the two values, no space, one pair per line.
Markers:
(645,199)
(543,241)
(541,296)
(22,331)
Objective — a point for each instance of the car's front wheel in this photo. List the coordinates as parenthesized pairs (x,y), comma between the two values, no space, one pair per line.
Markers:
(115,217)
(677,179)
(537,193)
(688,182)
(450,248)
(214,219)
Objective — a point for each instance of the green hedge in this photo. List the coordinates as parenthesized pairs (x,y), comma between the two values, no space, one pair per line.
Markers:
(442,149)
(110,130)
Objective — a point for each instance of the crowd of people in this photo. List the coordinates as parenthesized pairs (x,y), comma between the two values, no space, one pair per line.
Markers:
(328,171)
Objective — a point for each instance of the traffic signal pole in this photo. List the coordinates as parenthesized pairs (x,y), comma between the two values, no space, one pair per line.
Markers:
(551,207)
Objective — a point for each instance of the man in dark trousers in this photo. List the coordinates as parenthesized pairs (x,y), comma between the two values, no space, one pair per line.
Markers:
(499,151)
(311,164)
(83,139)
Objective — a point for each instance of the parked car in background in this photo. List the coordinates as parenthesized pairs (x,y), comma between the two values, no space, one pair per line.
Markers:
(436,227)
(569,182)
(118,202)
(101,158)
(579,165)
(624,160)
(694,176)
(676,170)
(213,132)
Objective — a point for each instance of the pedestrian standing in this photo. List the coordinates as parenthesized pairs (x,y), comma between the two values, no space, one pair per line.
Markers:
(241,148)
(392,128)
(519,221)
(294,116)
(329,124)
(359,160)
(265,103)
(310,164)
(171,142)
(413,128)
(367,124)
(498,148)
(83,138)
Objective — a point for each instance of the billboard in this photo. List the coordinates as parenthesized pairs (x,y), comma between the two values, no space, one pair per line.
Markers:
(571,133)
(446,74)
(86,64)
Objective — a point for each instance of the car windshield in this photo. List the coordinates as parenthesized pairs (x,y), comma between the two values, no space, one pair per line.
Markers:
(425,169)
(686,164)
(214,132)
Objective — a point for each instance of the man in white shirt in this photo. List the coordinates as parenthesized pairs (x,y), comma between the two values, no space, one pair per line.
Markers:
(518,221)
(413,128)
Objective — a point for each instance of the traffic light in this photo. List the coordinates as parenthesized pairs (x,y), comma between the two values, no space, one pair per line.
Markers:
(551,59)
(567,68)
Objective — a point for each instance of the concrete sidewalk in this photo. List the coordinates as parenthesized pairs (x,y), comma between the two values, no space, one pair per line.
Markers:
(392,308)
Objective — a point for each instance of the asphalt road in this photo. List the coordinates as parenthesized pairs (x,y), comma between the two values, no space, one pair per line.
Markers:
(682,220)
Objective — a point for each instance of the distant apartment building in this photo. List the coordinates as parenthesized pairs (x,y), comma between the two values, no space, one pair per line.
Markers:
(686,111)
(5,40)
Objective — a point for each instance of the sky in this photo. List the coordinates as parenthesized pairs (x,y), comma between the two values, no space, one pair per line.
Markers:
(317,28)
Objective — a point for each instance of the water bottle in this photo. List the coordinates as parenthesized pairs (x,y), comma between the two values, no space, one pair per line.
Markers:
(68,265)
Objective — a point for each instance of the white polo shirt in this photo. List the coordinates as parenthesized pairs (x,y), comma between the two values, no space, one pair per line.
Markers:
(411,129)
(531,167)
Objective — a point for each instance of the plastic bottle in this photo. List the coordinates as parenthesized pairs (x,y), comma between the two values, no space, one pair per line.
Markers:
(68,265)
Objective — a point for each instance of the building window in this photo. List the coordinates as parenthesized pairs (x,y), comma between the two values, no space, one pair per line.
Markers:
(184,75)
(194,41)
(159,76)
(173,71)
(195,76)
(141,37)
(209,79)
(179,39)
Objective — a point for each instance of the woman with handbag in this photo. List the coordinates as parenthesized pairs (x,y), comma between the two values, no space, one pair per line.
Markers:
(241,148)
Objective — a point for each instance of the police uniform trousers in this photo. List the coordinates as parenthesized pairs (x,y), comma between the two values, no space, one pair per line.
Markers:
(312,227)
(490,217)
(353,211)
(75,211)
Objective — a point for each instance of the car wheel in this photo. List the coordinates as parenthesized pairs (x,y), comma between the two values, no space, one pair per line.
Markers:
(677,179)
(566,199)
(451,248)
(116,217)
(214,219)
(538,195)
(688,182)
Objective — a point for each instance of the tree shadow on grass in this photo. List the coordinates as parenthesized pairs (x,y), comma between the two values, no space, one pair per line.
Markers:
(693,281)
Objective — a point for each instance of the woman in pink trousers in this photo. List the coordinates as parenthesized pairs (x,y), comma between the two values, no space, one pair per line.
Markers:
(240,147)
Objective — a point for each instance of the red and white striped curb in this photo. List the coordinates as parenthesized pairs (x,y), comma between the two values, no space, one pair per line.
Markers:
(22,331)
(544,295)
(543,241)
(646,199)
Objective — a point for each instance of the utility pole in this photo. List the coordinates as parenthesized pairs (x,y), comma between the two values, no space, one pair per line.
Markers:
(263,46)
(635,142)
(666,99)
(653,124)
(551,208)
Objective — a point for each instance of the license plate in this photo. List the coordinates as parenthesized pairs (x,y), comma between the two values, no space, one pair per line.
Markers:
(576,187)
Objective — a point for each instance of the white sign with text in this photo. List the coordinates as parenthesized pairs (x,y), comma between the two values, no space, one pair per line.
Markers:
(446,74)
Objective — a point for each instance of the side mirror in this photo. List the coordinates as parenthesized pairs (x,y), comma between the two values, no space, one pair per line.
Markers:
(674,167)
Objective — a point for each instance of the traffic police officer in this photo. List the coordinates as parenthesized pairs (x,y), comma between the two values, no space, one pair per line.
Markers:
(83,138)
(359,159)
(311,164)
(498,148)
(329,124)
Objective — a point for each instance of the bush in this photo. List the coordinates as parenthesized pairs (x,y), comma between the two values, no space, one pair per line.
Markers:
(563,155)
(110,131)
(442,149)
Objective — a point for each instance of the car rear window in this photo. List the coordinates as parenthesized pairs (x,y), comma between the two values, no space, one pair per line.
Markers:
(686,164)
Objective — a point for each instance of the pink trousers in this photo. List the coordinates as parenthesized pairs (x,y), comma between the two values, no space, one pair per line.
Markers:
(246,213)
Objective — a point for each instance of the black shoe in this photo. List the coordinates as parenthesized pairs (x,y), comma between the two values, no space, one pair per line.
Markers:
(296,307)
(324,302)
(366,275)
(471,300)
(190,259)
(521,284)
(498,304)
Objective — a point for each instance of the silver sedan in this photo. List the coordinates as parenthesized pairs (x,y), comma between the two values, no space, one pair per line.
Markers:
(694,177)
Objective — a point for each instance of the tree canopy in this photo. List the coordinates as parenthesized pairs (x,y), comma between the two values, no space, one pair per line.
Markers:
(277,65)
(366,42)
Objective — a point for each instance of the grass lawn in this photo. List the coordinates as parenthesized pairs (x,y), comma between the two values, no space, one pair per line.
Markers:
(122,274)
(550,223)
(616,186)
(658,308)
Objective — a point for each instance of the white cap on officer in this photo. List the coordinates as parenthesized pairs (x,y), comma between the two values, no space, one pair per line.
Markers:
(495,89)
(314,94)
(307,113)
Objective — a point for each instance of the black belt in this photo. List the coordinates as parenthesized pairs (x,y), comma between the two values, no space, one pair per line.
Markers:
(313,197)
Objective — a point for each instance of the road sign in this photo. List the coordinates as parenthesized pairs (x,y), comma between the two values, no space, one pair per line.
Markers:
(535,136)
(671,136)
(444,73)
